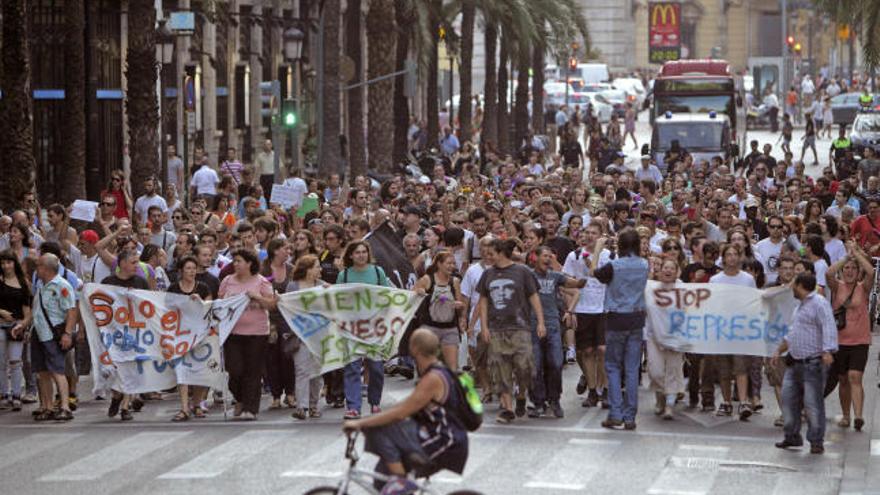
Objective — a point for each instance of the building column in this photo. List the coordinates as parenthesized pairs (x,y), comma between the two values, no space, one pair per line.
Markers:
(256,65)
(123,82)
(181,50)
(234,135)
(209,81)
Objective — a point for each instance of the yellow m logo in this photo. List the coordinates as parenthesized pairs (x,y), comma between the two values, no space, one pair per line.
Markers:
(667,13)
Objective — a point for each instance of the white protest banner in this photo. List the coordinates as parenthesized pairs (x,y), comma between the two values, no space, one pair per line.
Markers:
(718,318)
(144,341)
(286,196)
(345,322)
(83,210)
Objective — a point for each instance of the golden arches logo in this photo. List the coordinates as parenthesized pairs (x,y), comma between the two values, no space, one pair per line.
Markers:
(667,12)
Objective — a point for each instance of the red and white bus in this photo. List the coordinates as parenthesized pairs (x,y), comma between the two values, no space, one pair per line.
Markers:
(701,86)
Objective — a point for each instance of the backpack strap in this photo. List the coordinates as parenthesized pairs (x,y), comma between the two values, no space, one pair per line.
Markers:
(378,276)
(345,276)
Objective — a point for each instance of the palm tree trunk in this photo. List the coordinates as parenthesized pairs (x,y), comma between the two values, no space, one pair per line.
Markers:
(502,117)
(140,102)
(74,128)
(331,154)
(489,132)
(538,124)
(381,35)
(357,149)
(16,120)
(468,16)
(521,106)
(403,13)
(433,105)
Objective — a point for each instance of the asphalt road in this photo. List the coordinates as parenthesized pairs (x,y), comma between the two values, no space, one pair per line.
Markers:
(696,453)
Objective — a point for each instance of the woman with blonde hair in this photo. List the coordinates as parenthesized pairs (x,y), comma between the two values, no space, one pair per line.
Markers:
(665,366)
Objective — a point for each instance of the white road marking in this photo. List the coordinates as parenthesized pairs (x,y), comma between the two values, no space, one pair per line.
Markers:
(686,474)
(482,448)
(216,461)
(328,461)
(99,464)
(875,447)
(572,467)
(19,450)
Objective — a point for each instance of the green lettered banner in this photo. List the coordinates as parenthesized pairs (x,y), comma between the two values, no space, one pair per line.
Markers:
(342,323)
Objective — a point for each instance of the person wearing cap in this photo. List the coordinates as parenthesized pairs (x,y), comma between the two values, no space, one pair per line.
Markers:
(648,170)
(92,268)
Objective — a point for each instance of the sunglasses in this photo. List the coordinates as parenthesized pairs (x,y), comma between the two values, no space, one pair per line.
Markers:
(671,247)
(774,226)
(108,204)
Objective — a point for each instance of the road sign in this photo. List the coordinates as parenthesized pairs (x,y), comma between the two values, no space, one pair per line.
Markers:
(191,121)
(182,23)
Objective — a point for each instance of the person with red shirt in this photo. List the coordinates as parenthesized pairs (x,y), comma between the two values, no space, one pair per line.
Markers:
(118,188)
(864,229)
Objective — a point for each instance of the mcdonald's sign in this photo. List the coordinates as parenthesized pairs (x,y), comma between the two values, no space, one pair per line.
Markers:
(664,31)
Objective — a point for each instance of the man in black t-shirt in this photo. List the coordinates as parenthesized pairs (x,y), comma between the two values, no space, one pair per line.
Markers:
(125,276)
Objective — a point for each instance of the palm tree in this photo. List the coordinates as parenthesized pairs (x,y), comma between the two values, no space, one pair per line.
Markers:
(404,14)
(140,100)
(864,17)
(357,149)
(330,153)
(468,16)
(432,92)
(501,115)
(521,104)
(489,132)
(382,39)
(16,120)
(74,128)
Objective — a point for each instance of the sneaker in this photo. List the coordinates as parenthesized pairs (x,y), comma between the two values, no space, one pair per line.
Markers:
(399,486)
(556,408)
(724,410)
(581,386)
(126,415)
(629,425)
(570,355)
(536,411)
(779,422)
(592,398)
(351,414)
(137,404)
(520,408)
(63,415)
(299,413)
(606,404)
(248,416)
(667,413)
(506,416)
(113,410)
(744,411)
(375,409)
(16,405)
(338,403)
(5,404)
(29,399)
(611,423)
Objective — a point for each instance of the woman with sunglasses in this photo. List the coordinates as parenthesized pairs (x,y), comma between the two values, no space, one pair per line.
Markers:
(665,366)
(118,189)
(672,249)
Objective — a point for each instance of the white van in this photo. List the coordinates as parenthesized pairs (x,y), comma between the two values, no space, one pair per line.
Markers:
(588,73)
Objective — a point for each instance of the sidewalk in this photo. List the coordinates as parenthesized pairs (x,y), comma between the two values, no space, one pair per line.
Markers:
(861,471)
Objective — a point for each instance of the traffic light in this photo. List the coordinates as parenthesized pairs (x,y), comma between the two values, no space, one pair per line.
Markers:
(572,64)
(797,48)
(288,113)
(270,99)
(790,43)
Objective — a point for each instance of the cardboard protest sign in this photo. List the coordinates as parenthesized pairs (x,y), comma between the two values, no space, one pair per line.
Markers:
(342,323)
(718,318)
(143,341)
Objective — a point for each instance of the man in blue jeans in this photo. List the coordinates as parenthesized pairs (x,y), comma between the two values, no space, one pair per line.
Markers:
(810,342)
(625,278)
(547,381)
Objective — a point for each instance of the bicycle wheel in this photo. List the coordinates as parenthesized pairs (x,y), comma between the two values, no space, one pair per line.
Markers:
(324,490)
(464,492)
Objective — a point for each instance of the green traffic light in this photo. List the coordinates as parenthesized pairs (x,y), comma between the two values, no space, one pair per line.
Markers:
(290,119)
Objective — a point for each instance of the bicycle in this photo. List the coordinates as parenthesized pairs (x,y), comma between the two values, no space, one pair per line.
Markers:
(875,294)
(364,478)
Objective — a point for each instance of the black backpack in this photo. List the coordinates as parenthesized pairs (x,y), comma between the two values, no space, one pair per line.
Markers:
(468,414)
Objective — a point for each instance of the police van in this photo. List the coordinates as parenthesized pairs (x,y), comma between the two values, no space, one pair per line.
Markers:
(702,135)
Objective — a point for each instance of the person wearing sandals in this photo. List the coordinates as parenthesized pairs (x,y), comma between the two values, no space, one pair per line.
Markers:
(306,275)
(851,290)
(245,349)
(189,286)
(279,365)
(443,313)
(15,320)
(57,309)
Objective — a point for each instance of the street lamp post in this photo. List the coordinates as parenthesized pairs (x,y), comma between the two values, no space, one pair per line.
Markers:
(164,55)
(293,45)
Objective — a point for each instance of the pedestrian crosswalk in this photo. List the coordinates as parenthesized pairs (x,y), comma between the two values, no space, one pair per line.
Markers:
(299,457)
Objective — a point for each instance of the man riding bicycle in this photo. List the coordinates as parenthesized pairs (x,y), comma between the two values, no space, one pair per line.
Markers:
(421,433)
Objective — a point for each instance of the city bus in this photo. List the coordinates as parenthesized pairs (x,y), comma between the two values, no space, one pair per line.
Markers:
(702,86)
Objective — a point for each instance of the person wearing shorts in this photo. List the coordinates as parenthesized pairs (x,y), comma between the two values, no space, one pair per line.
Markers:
(508,291)
(850,280)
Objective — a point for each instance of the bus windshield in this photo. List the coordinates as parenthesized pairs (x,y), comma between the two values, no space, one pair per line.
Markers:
(690,136)
(723,104)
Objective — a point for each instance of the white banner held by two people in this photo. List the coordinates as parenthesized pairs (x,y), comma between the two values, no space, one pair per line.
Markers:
(342,323)
(719,318)
(143,341)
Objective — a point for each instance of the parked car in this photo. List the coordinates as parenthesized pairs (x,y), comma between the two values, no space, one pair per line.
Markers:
(617,99)
(866,131)
(601,108)
(635,90)
(845,106)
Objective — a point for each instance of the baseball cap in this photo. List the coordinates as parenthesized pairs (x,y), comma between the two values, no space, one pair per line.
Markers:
(752,203)
(646,157)
(89,236)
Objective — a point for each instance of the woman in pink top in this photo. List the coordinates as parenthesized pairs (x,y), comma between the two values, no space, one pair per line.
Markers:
(245,349)
(852,290)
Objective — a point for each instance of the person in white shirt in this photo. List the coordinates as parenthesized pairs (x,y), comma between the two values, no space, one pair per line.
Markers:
(470,297)
(834,247)
(92,268)
(150,198)
(727,364)
(588,310)
(204,182)
(299,186)
(160,236)
(741,198)
(815,252)
(265,165)
(768,250)
(649,171)
(175,170)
